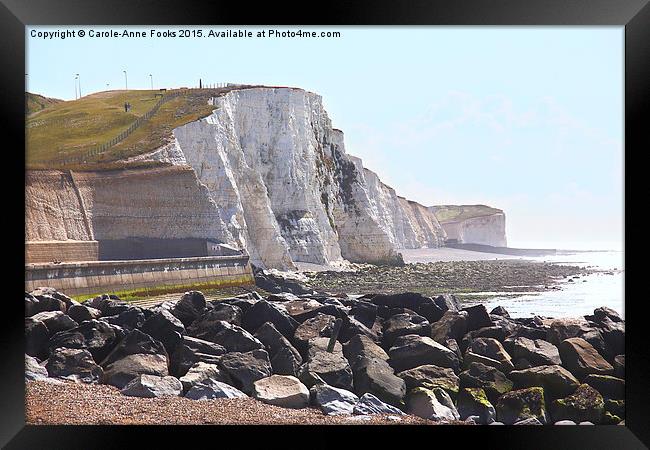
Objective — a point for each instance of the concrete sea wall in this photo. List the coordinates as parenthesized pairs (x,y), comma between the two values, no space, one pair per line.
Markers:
(50,251)
(80,278)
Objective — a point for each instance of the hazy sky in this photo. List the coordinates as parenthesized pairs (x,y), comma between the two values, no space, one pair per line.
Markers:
(527,119)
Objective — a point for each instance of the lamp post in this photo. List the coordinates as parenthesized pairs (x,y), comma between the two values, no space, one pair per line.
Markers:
(151,78)
(126,81)
(75,86)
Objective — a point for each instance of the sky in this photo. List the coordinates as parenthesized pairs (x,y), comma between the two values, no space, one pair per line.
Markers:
(526,119)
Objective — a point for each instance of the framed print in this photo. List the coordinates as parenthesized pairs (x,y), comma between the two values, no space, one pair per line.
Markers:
(376,222)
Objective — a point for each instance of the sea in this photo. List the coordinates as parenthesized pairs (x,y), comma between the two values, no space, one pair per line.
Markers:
(572,299)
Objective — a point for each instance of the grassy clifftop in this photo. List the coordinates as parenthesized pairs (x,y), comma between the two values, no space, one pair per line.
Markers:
(451,213)
(35,102)
(72,128)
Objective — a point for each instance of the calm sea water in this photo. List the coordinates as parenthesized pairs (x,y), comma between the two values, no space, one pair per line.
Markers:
(573,298)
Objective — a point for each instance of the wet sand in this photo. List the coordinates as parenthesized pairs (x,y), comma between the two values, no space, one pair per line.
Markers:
(444,254)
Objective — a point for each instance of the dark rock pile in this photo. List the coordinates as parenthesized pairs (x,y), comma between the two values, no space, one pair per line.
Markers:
(393,354)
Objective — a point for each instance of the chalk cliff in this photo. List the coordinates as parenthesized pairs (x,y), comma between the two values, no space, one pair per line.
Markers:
(265,172)
(164,202)
(286,187)
(472,224)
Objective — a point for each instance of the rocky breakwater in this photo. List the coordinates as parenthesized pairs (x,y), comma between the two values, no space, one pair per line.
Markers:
(399,354)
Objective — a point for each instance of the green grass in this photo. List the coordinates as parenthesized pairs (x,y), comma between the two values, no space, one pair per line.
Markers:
(447,213)
(143,293)
(73,128)
(35,102)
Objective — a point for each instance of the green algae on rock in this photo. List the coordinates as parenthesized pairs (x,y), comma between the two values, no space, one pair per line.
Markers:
(521,405)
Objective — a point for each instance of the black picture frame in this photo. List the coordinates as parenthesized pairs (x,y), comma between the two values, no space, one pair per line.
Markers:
(634,15)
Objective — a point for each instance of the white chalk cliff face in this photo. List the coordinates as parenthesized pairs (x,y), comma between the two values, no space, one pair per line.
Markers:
(485,230)
(285,188)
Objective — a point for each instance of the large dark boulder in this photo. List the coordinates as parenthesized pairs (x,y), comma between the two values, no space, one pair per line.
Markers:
(98,337)
(109,305)
(232,337)
(192,350)
(66,339)
(81,313)
(452,325)
(538,352)
(604,313)
(413,350)
(584,405)
(311,312)
(477,317)
(205,326)
(609,387)
(319,326)
(135,342)
(446,302)
(401,325)
(119,373)
(277,284)
(130,319)
(493,381)
(527,332)
(243,303)
(41,292)
(556,380)
(75,364)
(244,369)
(492,349)
(430,377)
(619,366)
(364,312)
(418,303)
(474,402)
(263,312)
(352,327)
(565,328)
(55,321)
(231,313)
(36,338)
(190,307)
(166,328)
(496,332)
(582,359)
(613,334)
(285,362)
(360,347)
(35,305)
(332,367)
(285,359)
(376,376)
(522,404)
(500,311)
